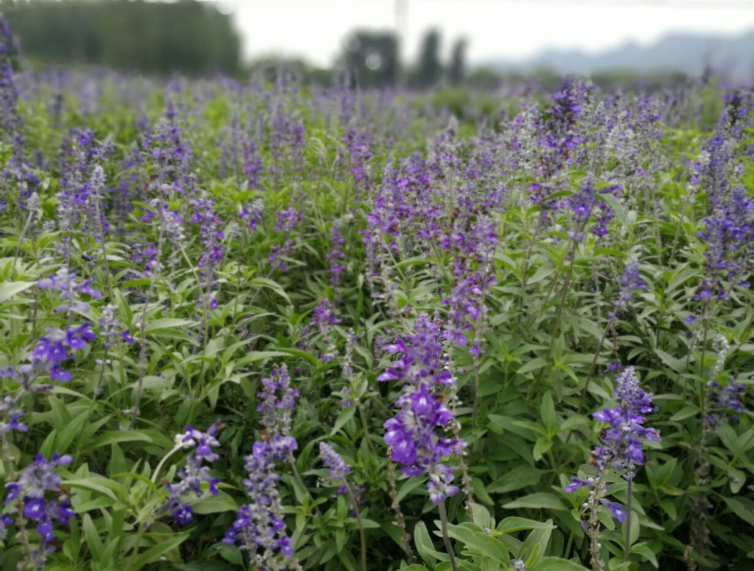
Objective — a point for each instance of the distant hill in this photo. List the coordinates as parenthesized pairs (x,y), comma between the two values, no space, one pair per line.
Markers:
(730,56)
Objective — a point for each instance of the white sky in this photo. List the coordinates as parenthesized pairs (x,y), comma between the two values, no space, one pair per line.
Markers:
(315,29)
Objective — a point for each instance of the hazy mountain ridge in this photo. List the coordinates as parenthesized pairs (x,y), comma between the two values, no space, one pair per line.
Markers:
(689,53)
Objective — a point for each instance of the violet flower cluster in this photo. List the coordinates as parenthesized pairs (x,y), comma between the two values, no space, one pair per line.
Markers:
(259,527)
(337,467)
(621,448)
(324,318)
(289,220)
(57,345)
(193,475)
(630,283)
(729,236)
(411,433)
(586,205)
(622,443)
(277,402)
(336,256)
(212,236)
(724,401)
(110,328)
(38,497)
(252,213)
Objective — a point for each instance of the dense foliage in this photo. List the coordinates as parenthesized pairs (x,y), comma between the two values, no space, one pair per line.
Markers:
(251,326)
(151,37)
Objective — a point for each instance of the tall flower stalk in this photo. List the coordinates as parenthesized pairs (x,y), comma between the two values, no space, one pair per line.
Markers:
(411,433)
(621,449)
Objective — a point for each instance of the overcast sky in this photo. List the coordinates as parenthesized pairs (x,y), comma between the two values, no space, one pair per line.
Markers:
(315,29)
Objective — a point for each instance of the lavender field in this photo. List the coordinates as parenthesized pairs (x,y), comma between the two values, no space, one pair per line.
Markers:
(265,325)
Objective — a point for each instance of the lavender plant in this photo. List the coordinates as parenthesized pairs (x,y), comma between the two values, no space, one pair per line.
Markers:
(461,271)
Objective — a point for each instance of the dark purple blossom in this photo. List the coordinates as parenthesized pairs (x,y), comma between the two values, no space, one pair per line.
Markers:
(411,433)
(65,283)
(42,500)
(288,222)
(277,402)
(193,475)
(630,283)
(336,256)
(724,401)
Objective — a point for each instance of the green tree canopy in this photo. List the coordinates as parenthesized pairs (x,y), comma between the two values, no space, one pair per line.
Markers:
(150,37)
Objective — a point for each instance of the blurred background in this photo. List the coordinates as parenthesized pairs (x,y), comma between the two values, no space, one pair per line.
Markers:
(415,43)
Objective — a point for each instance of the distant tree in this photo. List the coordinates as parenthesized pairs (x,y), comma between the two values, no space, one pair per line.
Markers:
(152,37)
(429,68)
(372,58)
(457,70)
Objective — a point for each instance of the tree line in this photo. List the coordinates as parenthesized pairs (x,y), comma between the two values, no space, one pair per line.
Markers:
(150,37)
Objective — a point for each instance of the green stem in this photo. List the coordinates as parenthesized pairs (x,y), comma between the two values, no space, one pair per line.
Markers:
(445,536)
(94,399)
(591,370)
(627,552)
(135,549)
(162,462)
(361,527)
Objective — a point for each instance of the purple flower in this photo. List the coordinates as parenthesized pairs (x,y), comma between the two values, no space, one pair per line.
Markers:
(10,414)
(110,326)
(193,475)
(65,282)
(324,318)
(616,510)
(411,433)
(259,527)
(338,469)
(288,222)
(630,283)
(336,256)
(277,402)
(621,445)
(253,213)
(723,402)
(421,356)
(43,500)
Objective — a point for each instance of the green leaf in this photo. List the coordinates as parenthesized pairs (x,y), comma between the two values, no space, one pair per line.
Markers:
(168,323)
(345,415)
(740,509)
(678,365)
(254,356)
(205,565)
(685,413)
(115,436)
(9,289)
(488,546)
(271,284)
(100,485)
(480,492)
(425,547)
(480,515)
(541,500)
(519,477)
(541,447)
(209,504)
(574,421)
(644,550)
(557,564)
(514,524)
(532,365)
(154,553)
(408,486)
(547,411)
(92,537)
